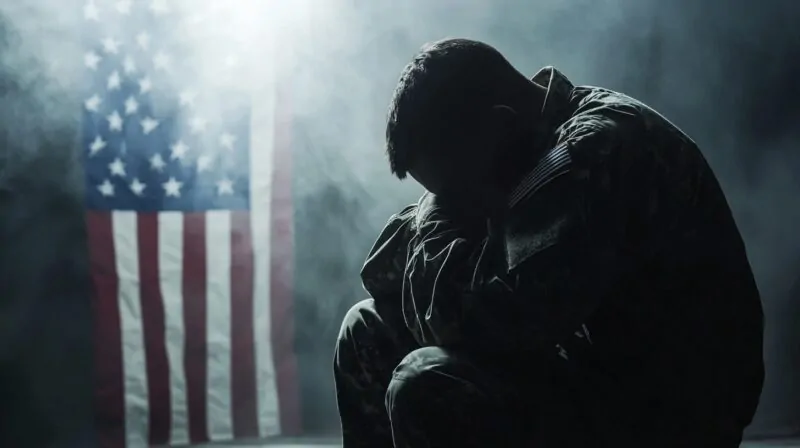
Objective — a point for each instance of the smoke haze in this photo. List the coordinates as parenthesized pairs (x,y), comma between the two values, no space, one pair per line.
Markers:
(725,71)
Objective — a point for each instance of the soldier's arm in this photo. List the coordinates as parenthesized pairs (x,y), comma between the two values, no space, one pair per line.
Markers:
(573,231)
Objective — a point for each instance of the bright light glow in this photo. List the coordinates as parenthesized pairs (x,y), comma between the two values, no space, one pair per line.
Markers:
(236,41)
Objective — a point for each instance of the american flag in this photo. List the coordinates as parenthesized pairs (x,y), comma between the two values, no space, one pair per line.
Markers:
(189,218)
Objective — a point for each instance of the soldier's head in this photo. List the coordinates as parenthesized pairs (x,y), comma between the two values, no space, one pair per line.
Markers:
(458,108)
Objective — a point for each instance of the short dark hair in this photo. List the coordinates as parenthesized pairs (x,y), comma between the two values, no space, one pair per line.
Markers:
(445,84)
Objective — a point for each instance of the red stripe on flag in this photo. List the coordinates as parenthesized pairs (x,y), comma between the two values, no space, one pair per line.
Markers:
(153,327)
(109,390)
(243,364)
(195,353)
(282,267)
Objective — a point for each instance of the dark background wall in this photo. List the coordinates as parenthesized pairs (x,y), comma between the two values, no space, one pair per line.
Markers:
(45,322)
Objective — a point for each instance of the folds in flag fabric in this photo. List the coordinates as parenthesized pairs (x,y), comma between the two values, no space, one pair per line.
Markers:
(189,215)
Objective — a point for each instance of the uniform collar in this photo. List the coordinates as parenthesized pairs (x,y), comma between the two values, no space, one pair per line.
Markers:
(556,106)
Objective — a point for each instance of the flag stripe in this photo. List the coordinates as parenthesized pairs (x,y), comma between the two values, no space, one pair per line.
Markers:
(170,230)
(194,318)
(243,374)
(282,267)
(135,376)
(262,150)
(108,390)
(218,323)
(154,329)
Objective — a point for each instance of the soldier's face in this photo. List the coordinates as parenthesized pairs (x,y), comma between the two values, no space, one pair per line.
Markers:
(467,166)
(462,174)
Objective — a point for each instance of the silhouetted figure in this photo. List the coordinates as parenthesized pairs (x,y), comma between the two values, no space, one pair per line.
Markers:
(574,277)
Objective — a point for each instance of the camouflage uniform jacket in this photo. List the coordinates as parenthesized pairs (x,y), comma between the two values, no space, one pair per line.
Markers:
(620,232)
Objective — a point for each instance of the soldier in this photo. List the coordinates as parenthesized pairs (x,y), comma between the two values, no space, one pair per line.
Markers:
(573,277)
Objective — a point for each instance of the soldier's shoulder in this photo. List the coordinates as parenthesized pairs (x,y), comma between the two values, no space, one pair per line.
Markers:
(405,216)
(598,111)
(593,102)
(406,213)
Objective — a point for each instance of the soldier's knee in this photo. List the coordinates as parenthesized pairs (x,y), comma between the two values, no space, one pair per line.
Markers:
(359,337)
(416,377)
(434,390)
(359,318)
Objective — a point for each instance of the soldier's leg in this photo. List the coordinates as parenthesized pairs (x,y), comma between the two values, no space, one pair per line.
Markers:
(367,351)
(439,398)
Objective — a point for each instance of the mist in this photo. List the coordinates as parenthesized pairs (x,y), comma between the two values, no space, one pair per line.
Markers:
(721,70)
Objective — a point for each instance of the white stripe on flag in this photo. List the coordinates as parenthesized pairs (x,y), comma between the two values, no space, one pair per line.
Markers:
(218,324)
(170,263)
(134,364)
(262,149)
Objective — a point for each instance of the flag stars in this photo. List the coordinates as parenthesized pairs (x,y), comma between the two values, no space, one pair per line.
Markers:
(148,125)
(159,7)
(157,162)
(162,61)
(129,65)
(106,188)
(91,59)
(90,12)
(172,187)
(96,145)
(231,62)
(145,85)
(114,81)
(111,45)
(224,187)
(137,187)
(195,19)
(179,150)
(93,103)
(198,125)
(187,98)
(117,168)
(203,163)
(114,121)
(227,140)
(143,40)
(123,7)
(131,105)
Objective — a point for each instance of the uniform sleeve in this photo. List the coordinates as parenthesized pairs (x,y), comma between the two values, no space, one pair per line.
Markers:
(438,275)
(382,271)
(566,239)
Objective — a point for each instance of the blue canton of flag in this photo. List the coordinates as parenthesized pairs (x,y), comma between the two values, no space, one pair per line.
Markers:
(150,144)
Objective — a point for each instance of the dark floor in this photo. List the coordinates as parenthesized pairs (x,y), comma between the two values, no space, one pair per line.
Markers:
(329,443)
